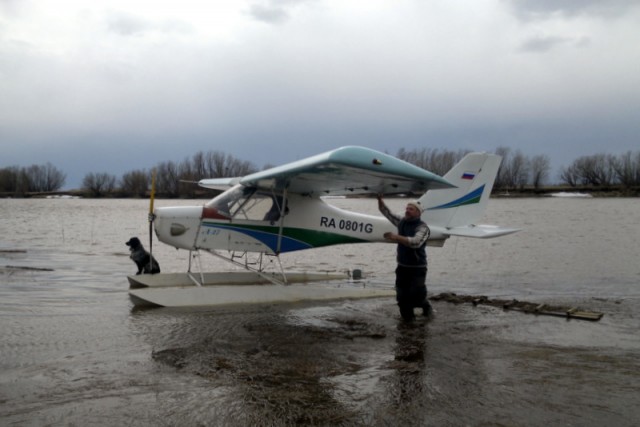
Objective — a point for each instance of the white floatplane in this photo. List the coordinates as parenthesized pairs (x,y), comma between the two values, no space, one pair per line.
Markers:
(282,209)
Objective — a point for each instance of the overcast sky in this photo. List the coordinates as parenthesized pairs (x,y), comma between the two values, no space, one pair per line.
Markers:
(113,86)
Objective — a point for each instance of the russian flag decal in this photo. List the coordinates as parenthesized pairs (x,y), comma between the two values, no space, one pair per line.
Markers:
(468,175)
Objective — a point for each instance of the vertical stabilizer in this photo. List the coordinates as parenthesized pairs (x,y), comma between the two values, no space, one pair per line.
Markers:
(474,176)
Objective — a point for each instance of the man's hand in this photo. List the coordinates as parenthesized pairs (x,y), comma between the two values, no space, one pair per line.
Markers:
(396,238)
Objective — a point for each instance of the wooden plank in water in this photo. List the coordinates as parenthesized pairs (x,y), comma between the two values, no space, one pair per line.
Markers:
(523,306)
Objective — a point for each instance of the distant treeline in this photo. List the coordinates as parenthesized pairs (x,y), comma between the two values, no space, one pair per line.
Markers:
(32,179)
(518,171)
(172,179)
(177,179)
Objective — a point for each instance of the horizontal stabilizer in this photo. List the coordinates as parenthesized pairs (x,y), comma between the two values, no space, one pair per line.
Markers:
(480,231)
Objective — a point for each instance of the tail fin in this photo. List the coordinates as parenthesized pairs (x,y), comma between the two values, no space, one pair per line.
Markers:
(457,210)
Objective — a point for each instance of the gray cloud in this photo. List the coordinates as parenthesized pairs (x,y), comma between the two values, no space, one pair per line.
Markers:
(275,11)
(544,9)
(540,44)
(126,24)
(270,14)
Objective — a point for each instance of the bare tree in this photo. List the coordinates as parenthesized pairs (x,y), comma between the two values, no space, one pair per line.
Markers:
(627,169)
(569,175)
(54,179)
(540,167)
(167,181)
(238,167)
(519,170)
(433,160)
(186,178)
(44,178)
(9,178)
(596,170)
(135,183)
(199,166)
(99,184)
(216,164)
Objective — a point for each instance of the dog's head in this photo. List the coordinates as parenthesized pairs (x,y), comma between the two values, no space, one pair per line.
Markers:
(133,243)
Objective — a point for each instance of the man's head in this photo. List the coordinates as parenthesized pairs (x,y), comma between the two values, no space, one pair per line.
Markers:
(413,210)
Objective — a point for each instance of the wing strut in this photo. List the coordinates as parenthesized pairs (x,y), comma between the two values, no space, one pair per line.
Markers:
(151,217)
(190,274)
(280,228)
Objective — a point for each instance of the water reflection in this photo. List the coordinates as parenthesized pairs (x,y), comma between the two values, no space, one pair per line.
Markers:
(272,369)
(407,383)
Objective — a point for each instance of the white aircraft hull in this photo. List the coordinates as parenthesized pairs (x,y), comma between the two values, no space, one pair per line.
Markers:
(164,280)
(178,290)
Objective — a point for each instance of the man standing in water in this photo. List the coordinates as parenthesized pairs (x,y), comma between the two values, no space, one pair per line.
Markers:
(411,272)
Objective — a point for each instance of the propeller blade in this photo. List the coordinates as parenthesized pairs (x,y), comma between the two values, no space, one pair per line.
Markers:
(151,217)
(153,191)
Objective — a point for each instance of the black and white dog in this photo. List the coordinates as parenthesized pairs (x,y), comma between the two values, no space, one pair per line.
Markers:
(141,257)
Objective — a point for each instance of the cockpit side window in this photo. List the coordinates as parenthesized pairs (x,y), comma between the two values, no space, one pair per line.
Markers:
(242,202)
(274,213)
(255,207)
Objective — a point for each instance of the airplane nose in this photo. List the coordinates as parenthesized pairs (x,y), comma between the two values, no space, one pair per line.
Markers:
(178,225)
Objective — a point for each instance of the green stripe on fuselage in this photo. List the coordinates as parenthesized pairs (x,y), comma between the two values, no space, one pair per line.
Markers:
(313,238)
(319,238)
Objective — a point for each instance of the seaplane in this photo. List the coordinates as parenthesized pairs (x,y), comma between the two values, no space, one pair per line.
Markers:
(257,218)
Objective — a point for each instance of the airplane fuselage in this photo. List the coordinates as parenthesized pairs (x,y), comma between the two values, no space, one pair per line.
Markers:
(308,223)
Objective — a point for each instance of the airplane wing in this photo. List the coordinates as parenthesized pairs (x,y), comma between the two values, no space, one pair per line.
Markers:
(219,183)
(347,171)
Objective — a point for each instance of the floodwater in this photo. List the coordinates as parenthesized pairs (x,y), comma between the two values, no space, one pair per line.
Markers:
(74,351)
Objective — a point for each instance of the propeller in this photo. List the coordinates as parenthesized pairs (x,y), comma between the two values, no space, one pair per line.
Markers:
(151,217)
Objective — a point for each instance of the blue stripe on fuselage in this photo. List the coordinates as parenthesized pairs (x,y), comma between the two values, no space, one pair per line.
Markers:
(269,239)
